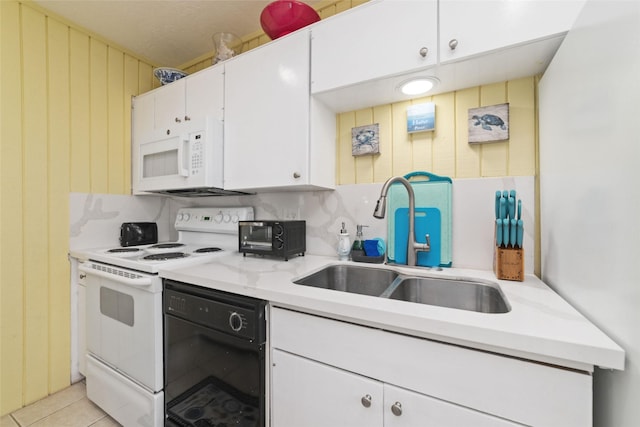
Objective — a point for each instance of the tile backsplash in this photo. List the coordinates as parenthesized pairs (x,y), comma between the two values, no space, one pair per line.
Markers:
(95,218)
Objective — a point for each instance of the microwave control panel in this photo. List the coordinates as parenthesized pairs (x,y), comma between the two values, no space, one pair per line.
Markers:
(196,145)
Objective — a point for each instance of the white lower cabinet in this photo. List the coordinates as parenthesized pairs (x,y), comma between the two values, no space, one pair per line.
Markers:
(405,408)
(327,373)
(311,394)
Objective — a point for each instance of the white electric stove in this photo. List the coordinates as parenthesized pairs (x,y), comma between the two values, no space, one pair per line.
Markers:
(203,234)
(124,360)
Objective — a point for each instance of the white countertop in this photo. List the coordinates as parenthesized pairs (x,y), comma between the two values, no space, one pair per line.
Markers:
(541,326)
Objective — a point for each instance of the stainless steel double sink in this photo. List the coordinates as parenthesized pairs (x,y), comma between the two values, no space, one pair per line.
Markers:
(388,283)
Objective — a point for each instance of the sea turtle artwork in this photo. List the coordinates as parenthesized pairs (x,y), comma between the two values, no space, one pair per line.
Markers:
(489,120)
(488,124)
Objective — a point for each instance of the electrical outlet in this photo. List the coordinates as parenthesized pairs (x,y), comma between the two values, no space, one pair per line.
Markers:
(289,214)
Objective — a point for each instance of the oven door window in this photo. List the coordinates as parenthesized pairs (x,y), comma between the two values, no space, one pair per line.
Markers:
(117,305)
(212,378)
(256,237)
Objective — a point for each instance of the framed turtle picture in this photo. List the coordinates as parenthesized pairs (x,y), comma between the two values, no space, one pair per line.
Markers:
(489,124)
(365,140)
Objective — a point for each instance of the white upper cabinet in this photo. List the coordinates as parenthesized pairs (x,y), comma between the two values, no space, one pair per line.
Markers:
(163,110)
(375,40)
(275,137)
(169,105)
(190,98)
(360,57)
(473,27)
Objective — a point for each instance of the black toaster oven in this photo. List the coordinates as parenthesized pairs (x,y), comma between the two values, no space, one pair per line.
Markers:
(281,239)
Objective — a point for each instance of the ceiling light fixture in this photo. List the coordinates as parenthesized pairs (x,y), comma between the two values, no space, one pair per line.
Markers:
(418,85)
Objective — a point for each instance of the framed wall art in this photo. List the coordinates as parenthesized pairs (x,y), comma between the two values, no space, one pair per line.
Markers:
(365,140)
(489,124)
(421,117)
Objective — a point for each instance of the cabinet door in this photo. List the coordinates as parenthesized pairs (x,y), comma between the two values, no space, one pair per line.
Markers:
(310,394)
(143,117)
(483,26)
(266,128)
(169,105)
(375,40)
(403,408)
(205,94)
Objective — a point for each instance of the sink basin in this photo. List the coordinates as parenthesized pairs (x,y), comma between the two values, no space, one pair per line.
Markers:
(387,283)
(460,294)
(349,278)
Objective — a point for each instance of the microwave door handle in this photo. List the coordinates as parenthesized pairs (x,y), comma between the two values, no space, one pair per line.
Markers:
(183,150)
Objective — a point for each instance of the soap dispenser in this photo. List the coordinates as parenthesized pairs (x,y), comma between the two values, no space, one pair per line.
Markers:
(357,243)
(344,244)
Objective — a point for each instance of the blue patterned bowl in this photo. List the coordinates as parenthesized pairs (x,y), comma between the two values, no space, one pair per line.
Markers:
(167,75)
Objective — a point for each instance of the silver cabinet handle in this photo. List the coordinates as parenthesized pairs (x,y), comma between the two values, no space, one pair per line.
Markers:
(453,44)
(168,131)
(423,52)
(366,400)
(187,118)
(296,175)
(82,275)
(396,408)
(178,120)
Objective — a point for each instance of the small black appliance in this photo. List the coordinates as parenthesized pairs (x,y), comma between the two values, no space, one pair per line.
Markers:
(276,238)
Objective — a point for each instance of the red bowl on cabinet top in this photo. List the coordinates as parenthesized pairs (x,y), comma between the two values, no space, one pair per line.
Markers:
(286,16)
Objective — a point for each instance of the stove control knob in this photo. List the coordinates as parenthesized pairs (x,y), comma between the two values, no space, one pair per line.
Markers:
(235,218)
(180,217)
(186,217)
(235,321)
(227,218)
(218,217)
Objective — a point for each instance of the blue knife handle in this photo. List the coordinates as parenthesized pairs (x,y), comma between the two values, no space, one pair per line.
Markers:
(505,232)
(519,208)
(498,232)
(498,196)
(512,193)
(503,208)
(512,207)
(520,233)
(512,233)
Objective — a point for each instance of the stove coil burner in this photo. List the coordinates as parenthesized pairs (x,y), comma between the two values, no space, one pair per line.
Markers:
(206,250)
(123,250)
(166,246)
(165,256)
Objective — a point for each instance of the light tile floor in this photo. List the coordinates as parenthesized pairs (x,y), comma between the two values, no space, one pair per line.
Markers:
(66,408)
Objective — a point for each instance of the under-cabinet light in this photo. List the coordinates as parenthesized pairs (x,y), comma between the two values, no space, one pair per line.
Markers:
(418,85)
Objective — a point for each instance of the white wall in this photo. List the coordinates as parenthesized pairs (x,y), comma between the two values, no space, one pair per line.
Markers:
(590,188)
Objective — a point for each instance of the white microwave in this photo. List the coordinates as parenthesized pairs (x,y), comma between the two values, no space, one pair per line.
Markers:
(186,162)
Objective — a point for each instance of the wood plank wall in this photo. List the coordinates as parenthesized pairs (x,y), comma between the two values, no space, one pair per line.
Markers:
(65,127)
(444,151)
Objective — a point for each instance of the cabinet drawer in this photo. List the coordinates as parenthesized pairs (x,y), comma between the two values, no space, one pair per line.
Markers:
(515,389)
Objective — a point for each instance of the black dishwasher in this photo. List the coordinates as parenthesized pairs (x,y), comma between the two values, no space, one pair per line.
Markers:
(214,357)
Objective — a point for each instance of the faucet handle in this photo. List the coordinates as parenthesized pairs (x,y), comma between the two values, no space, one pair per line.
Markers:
(428,239)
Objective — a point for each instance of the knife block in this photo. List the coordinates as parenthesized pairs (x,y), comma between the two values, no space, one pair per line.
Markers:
(508,264)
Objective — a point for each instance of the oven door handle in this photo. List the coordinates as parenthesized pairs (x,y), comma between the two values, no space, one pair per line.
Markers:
(138,281)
